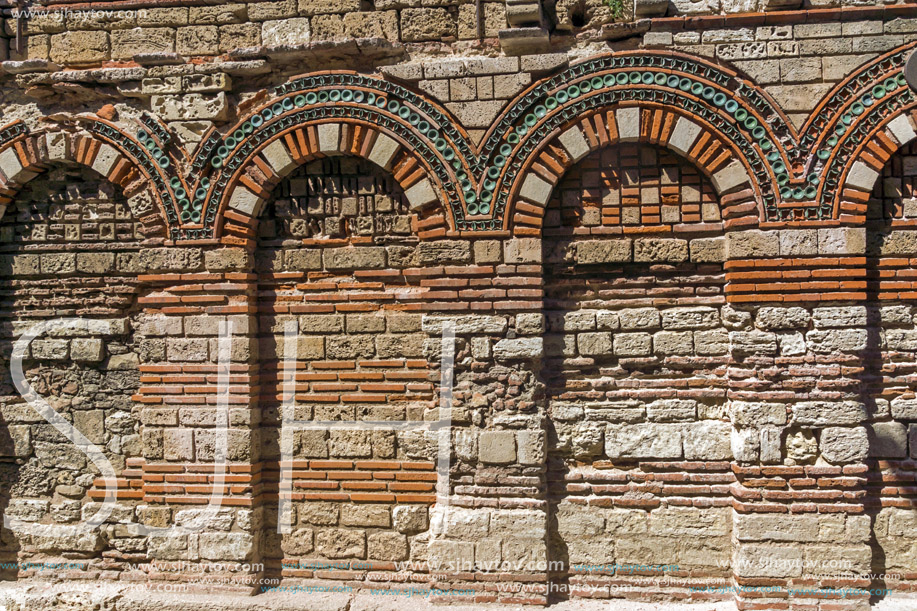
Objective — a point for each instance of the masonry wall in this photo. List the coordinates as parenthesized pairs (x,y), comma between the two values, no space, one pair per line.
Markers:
(673,244)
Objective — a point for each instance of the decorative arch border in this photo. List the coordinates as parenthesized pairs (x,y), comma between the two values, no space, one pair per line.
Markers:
(798,177)
(24,156)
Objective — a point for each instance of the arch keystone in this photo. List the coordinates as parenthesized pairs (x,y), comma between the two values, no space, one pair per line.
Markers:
(628,120)
(329,138)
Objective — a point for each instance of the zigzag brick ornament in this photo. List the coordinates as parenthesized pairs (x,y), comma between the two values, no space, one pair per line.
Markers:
(320,304)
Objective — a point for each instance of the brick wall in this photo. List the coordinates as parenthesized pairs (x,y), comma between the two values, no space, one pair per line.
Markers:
(675,251)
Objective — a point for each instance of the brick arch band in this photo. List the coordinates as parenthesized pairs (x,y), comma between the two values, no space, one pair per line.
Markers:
(689,138)
(25,156)
(268,164)
(714,116)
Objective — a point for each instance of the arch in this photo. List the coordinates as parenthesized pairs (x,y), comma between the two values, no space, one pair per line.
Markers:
(649,124)
(274,160)
(25,156)
(341,113)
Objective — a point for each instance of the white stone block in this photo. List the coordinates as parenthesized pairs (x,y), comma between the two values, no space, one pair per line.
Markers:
(628,120)
(279,158)
(861,177)
(329,137)
(245,201)
(730,177)
(901,130)
(684,135)
(105,160)
(574,142)
(536,189)
(384,151)
(421,194)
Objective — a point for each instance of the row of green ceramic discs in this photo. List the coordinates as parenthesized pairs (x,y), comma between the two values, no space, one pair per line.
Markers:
(190,209)
(149,143)
(859,107)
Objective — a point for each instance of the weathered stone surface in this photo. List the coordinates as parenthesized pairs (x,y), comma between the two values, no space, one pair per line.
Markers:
(844,445)
(643,441)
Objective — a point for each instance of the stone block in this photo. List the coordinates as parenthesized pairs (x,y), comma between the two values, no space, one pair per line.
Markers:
(700,317)
(285,32)
(754,414)
(410,519)
(523,348)
(844,445)
(887,440)
(420,24)
(827,413)
(497,447)
(673,342)
(81,47)
(387,546)
(660,250)
(770,318)
(444,252)
(640,318)
(191,106)
(594,344)
(86,349)
(752,244)
(366,515)
(356,257)
(596,252)
(632,344)
(837,340)
(708,440)
(663,441)
(745,343)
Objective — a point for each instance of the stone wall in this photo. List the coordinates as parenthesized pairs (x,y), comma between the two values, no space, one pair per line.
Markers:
(673,242)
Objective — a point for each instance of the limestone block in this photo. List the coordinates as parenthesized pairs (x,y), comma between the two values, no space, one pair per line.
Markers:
(523,348)
(387,546)
(522,250)
(837,340)
(844,445)
(632,344)
(640,318)
(752,414)
(708,440)
(657,250)
(861,177)
(603,251)
(700,317)
(285,32)
(887,440)
(673,342)
(840,316)
(826,413)
(752,244)
(81,47)
(745,343)
(770,318)
(357,257)
(419,24)
(648,440)
(191,106)
(672,410)
(594,344)
(497,447)
(410,519)
(366,515)
(444,251)
(536,189)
